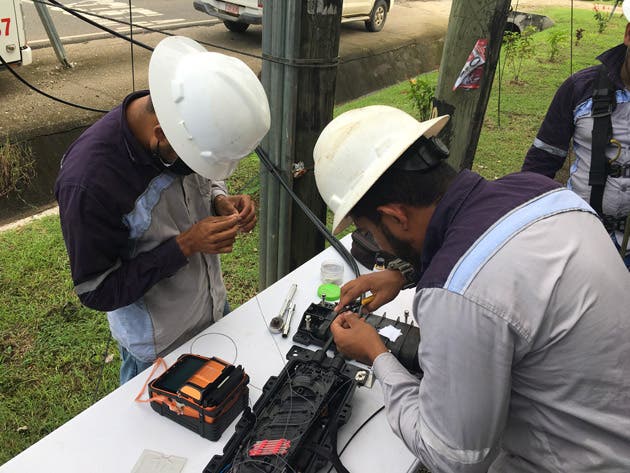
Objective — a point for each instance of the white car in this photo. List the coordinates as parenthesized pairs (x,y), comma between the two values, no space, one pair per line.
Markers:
(237,15)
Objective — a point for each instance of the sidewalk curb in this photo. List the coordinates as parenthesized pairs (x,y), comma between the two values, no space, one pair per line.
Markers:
(29,220)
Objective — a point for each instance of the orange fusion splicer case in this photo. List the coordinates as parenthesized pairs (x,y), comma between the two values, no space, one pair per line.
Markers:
(203,394)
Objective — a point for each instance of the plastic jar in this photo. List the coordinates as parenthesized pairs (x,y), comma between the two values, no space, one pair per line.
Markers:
(331,271)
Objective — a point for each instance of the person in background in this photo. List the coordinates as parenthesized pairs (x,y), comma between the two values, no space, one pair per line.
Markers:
(589,115)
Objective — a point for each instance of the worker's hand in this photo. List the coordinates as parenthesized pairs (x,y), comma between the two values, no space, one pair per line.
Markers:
(384,286)
(356,339)
(212,235)
(242,205)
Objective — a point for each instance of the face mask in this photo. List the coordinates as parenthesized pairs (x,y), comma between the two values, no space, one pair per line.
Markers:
(178,167)
(401,248)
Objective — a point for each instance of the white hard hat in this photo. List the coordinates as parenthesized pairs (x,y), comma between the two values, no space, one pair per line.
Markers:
(626,9)
(212,107)
(357,147)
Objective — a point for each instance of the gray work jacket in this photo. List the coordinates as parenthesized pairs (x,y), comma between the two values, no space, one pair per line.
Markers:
(120,216)
(524,314)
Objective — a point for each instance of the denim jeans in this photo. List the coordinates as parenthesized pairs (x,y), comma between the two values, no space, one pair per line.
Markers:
(130,366)
(626,259)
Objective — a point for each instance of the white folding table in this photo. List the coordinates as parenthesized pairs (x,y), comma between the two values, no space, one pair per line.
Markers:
(111,435)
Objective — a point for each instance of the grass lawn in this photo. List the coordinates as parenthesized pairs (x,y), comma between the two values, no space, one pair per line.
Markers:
(51,348)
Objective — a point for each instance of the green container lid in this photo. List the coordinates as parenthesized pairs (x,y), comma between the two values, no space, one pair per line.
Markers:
(332,291)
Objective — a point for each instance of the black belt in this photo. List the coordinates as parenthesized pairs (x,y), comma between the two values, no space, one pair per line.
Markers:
(614,223)
(619,170)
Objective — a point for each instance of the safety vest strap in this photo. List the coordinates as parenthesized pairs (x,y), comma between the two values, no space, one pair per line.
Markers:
(603,105)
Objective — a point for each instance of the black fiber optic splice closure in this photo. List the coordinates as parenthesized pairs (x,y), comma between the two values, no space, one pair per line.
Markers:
(314,329)
(298,413)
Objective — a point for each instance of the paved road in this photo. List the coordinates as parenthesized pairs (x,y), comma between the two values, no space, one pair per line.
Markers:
(102,75)
(101,72)
(150,13)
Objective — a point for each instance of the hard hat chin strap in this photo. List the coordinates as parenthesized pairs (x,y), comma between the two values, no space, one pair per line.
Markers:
(423,155)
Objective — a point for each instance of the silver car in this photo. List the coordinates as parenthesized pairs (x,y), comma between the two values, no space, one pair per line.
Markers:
(237,15)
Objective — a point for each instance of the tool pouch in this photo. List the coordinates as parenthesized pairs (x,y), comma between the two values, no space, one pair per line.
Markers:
(203,394)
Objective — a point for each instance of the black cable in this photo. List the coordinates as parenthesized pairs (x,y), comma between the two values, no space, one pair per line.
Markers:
(81,14)
(334,242)
(378,411)
(571,43)
(39,91)
(502,71)
(100,375)
(133,68)
(327,455)
(97,25)
(108,18)
(499,91)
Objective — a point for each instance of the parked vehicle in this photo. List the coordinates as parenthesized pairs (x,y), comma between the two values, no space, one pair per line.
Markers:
(13,47)
(237,15)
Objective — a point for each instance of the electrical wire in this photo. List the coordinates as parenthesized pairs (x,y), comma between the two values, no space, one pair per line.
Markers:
(571,43)
(133,68)
(81,14)
(378,411)
(100,374)
(192,344)
(108,18)
(45,94)
(501,73)
(334,242)
(97,25)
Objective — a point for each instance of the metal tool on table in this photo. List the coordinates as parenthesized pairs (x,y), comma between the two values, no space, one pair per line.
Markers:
(277,323)
(287,323)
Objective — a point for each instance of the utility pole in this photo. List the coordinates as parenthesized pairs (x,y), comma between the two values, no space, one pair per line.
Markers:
(470,21)
(301,46)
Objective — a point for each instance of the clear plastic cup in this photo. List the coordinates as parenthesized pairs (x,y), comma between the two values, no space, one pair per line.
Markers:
(331,272)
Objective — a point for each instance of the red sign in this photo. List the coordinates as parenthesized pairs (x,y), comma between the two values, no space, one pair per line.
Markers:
(470,77)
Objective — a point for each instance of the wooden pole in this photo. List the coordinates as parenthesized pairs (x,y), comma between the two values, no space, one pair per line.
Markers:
(470,21)
(301,40)
(319,43)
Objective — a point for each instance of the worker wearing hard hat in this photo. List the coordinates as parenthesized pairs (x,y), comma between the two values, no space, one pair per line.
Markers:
(589,116)
(521,300)
(144,210)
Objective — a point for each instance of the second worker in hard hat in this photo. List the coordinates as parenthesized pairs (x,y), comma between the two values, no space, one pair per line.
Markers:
(521,300)
(144,210)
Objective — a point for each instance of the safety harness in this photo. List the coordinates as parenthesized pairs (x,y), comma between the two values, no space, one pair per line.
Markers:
(604,103)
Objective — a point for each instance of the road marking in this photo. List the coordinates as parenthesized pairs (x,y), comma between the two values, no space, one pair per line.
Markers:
(80,38)
(116,10)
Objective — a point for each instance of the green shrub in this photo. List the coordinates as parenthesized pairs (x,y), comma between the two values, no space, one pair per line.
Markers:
(517,48)
(601,17)
(555,40)
(421,95)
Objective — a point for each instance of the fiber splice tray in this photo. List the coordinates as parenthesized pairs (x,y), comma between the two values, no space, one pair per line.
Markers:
(293,425)
(203,394)
(314,329)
